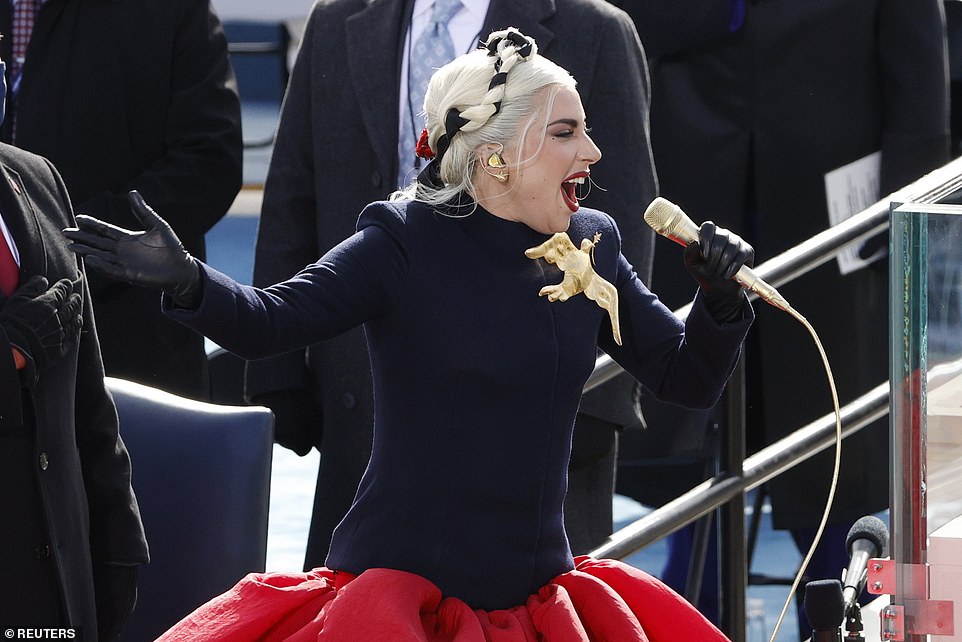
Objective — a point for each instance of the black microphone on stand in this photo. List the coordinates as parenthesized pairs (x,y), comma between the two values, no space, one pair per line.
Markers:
(824,609)
(868,538)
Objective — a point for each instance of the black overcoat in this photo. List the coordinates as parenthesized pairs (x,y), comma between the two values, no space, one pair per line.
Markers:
(745,125)
(65,493)
(135,94)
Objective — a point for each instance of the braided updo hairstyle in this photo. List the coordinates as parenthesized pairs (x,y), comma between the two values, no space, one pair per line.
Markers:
(486,96)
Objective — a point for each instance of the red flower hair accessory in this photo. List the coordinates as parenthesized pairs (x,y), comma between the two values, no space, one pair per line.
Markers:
(423,149)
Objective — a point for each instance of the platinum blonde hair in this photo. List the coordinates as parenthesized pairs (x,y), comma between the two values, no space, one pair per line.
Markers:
(493,114)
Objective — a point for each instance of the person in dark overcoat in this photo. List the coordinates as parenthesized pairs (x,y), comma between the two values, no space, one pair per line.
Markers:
(73,537)
(134,94)
(753,103)
(336,151)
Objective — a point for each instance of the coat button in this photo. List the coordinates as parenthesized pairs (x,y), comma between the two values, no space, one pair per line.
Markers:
(42,552)
(376,178)
(348,400)
(44,461)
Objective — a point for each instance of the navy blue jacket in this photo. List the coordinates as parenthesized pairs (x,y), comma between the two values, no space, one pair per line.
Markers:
(337,104)
(477,381)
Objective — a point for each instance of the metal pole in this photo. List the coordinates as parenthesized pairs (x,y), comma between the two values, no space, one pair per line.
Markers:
(767,463)
(731,519)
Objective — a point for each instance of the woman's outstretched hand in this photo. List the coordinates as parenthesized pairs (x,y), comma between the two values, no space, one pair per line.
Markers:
(153,257)
(713,260)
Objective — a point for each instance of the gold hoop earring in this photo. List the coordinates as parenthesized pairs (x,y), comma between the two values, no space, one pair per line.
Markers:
(495,160)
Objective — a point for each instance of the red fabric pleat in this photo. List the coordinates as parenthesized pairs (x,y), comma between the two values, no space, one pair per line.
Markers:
(599,601)
(665,615)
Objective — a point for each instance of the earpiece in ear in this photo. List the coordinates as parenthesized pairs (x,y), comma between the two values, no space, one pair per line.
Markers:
(495,160)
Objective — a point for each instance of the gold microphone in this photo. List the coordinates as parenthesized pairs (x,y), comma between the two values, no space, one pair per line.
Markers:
(670,221)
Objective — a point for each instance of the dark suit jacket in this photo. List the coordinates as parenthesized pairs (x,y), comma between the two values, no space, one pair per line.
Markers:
(64,470)
(744,127)
(135,94)
(336,151)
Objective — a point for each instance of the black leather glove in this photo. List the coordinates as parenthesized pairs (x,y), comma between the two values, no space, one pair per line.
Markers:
(298,421)
(115,590)
(42,322)
(713,260)
(153,257)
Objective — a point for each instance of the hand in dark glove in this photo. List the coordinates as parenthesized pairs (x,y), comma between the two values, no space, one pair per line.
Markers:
(298,420)
(153,257)
(115,590)
(713,260)
(42,323)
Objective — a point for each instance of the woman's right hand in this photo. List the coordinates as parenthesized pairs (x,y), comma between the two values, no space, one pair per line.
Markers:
(153,257)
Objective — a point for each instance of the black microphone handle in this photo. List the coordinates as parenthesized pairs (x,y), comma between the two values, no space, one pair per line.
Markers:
(823,608)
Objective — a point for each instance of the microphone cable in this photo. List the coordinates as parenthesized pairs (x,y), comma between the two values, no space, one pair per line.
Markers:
(835,470)
(668,220)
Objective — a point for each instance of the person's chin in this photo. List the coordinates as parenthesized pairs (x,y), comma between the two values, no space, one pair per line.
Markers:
(562,223)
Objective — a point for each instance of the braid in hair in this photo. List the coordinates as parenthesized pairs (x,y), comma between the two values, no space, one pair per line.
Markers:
(462,101)
(508,48)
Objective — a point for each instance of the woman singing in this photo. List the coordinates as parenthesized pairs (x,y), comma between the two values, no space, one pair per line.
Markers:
(484,290)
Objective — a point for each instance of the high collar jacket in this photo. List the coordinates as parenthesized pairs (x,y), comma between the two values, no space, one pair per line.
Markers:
(336,151)
(477,380)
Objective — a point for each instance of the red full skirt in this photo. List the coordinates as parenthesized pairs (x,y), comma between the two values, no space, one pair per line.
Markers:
(600,600)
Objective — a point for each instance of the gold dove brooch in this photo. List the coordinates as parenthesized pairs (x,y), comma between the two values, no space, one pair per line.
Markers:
(579,276)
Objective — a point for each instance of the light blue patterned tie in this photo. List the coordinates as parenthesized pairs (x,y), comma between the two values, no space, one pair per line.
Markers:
(433,49)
